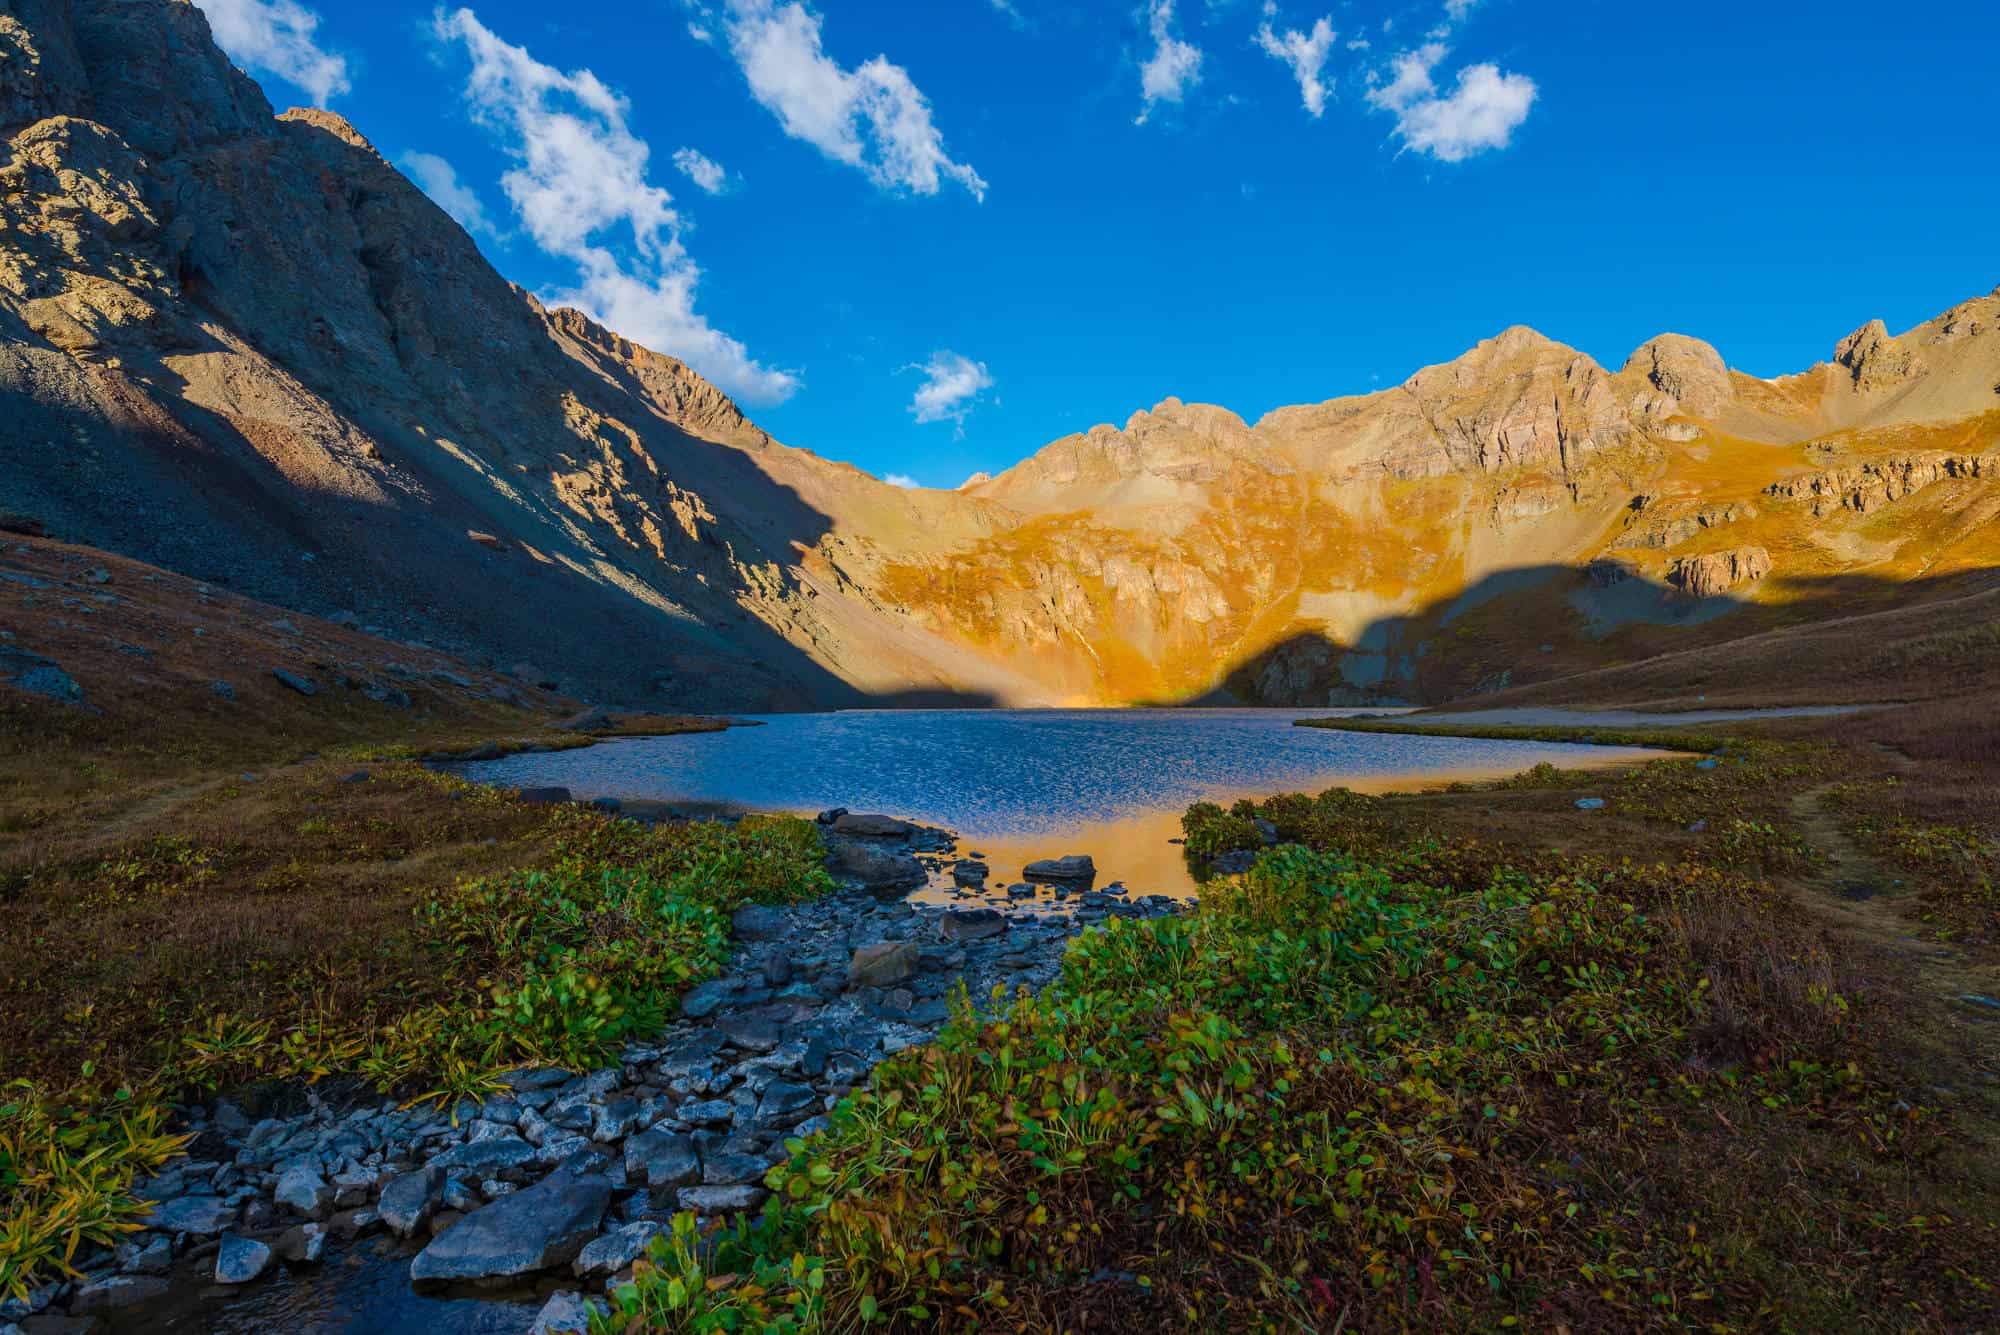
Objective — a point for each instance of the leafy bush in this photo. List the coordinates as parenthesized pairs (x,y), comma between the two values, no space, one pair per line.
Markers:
(1209,831)
(1322,1090)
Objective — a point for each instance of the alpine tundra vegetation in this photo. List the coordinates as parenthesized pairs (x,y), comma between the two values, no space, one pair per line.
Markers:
(399,661)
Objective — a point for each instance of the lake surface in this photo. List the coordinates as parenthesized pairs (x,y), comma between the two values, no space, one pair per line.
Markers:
(1021,784)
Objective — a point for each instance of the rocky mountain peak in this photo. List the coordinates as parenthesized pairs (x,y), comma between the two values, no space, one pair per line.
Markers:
(334,124)
(1687,369)
(1876,360)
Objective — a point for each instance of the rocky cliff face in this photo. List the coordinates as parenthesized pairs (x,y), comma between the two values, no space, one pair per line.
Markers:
(242,345)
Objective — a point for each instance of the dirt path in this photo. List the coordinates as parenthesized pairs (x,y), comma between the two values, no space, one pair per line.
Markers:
(1955,993)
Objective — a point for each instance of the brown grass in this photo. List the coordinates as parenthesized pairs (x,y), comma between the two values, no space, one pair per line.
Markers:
(166,852)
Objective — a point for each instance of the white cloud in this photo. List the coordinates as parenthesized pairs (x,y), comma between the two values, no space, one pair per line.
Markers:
(952,385)
(900,480)
(278,37)
(1007,7)
(436,178)
(1456,10)
(1305,52)
(581,173)
(1172,69)
(1482,111)
(1413,78)
(873,117)
(703,170)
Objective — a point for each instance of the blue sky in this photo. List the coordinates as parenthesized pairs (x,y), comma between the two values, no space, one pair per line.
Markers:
(930,237)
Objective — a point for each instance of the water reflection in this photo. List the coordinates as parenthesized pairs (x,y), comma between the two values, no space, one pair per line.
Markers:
(1024,784)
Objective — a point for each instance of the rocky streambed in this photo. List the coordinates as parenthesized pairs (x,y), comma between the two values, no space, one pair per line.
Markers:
(552,1187)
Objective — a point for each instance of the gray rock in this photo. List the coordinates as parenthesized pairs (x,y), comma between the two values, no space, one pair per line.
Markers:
(543,797)
(728,1168)
(661,1159)
(565,1313)
(302,1244)
(968,872)
(116,1292)
(709,1112)
(616,1250)
(760,922)
(38,676)
(292,681)
(1075,867)
(876,869)
(752,1031)
(871,826)
(350,1224)
(882,965)
(155,1257)
(524,1079)
(783,1103)
(777,968)
(408,1202)
(222,690)
(460,1195)
(704,1000)
(971,924)
(483,1157)
(303,1190)
(721,1200)
(192,1214)
(544,1226)
(240,1260)
(614,1119)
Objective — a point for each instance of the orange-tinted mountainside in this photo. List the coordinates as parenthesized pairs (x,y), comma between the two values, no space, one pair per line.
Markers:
(244,347)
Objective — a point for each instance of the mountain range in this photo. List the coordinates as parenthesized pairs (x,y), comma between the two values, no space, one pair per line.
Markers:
(243,346)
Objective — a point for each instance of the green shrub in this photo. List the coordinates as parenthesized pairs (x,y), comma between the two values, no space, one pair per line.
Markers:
(1209,831)
(1338,1065)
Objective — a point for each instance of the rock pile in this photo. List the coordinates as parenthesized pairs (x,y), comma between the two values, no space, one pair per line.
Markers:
(578,1171)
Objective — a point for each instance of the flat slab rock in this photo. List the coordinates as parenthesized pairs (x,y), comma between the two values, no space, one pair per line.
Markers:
(536,1228)
(872,826)
(1075,867)
(876,868)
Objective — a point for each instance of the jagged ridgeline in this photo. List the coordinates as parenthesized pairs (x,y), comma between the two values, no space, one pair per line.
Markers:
(245,347)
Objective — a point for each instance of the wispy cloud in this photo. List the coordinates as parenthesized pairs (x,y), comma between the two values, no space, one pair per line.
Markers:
(1305,52)
(708,174)
(278,37)
(900,480)
(1483,109)
(436,178)
(952,386)
(579,183)
(1172,69)
(872,117)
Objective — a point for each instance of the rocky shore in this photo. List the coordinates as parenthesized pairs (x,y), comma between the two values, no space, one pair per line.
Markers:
(573,1173)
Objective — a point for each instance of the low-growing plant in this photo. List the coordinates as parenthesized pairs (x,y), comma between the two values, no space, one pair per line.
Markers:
(1333,1087)
(1209,831)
